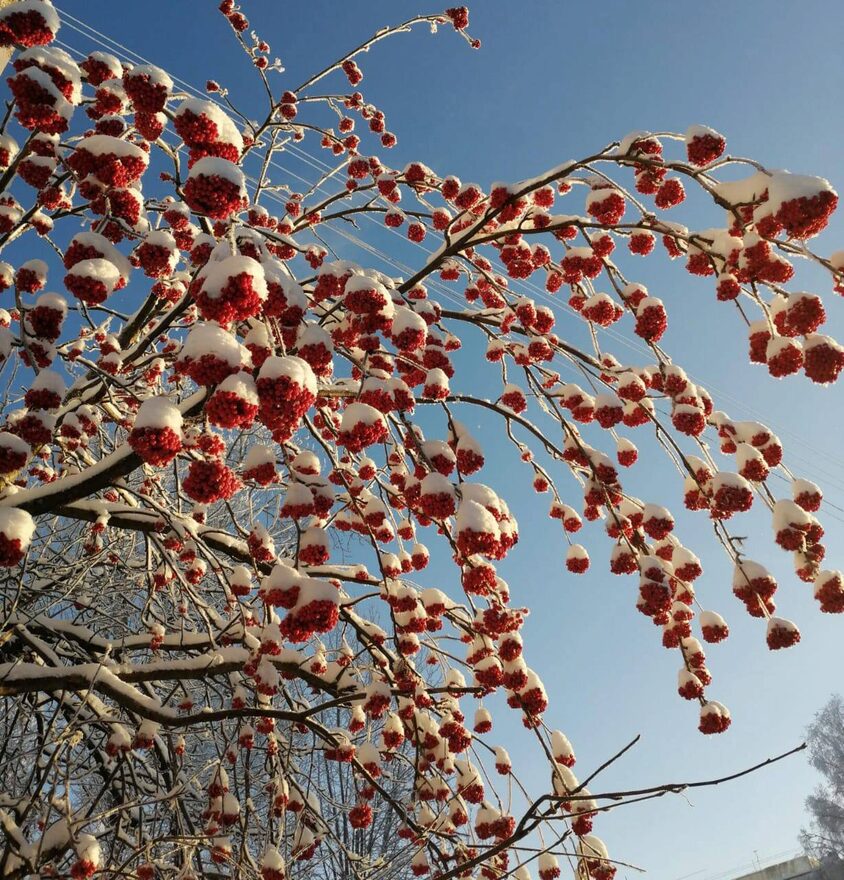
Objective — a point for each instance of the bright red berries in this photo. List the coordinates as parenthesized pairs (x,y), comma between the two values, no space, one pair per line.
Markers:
(155,445)
(210,481)
(703,145)
(641,243)
(799,314)
(651,319)
(286,390)
(670,193)
(362,425)
(148,88)
(234,403)
(459,17)
(351,352)
(781,633)
(112,161)
(806,216)
(360,816)
(829,591)
(784,356)
(28,25)
(714,718)
(352,71)
(232,289)
(823,359)
(216,188)
(728,288)
(714,627)
(16,530)
(607,206)
(577,559)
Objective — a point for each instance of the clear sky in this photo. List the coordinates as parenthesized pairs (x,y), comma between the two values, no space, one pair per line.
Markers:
(553,81)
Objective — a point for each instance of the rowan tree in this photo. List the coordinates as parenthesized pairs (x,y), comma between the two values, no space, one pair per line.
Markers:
(229,455)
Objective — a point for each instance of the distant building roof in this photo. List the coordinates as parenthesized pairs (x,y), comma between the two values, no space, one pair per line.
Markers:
(799,868)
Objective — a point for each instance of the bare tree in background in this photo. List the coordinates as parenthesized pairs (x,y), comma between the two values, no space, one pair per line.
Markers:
(373,852)
(823,838)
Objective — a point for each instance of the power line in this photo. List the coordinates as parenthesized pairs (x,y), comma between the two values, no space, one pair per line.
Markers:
(755,864)
(296,152)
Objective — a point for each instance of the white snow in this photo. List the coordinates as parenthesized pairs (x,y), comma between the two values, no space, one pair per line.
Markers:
(711,618)
(750,189)
(726,479)
(747,570)
(778,344)
(437,378)
(787,514)
(258,336)
(801,487)
(293,293)
(630,139)
(364,282)
(88,848)
(103,144)
(294,368)
(43,7)
(213,166)
(591,847)
(52,56)
(97,269)
(156,75)
(45,161)
(272,859)
(14,444)
(103,246)
(784,187)
(282,576)
(437,484)
(161,238)
(7,142)
(227,132)
(560,744)
(241,385)
(475,517)
(212,339)
(109,61)
(216,274)
(781,623)
(360,413)
(159,412)
(694,131)
(315,590)
(17,524)
(37,267)
(482,494)
(49,380)
(815,339)
(577,552)
(258,454)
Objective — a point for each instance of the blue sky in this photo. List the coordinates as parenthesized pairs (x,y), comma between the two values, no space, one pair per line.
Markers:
(555,81)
